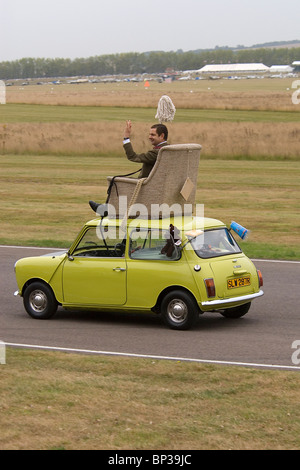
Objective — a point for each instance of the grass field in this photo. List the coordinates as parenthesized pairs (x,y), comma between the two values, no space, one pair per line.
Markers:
(56,155)
(234,119)
(220,140)
(257,94)
(51,401)
(46,198)
(57,145)
(41,113)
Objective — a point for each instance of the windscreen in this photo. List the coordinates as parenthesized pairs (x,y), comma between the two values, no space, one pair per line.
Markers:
(212,243)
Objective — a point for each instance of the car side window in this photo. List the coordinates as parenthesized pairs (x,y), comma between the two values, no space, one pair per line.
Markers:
(101,243)
(152,244)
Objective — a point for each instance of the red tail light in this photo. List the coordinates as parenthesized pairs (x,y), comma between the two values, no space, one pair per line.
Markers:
(210,287)
(260,278)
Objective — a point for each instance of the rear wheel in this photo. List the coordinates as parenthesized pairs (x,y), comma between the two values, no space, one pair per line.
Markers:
(179,310)
(236,312)
(39,301)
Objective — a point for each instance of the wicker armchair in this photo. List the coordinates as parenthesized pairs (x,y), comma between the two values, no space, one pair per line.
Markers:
(172,182)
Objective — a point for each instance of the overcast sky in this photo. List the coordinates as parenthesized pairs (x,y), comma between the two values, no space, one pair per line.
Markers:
(84,28)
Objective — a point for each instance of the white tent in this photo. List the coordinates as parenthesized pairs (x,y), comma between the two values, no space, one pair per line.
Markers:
(281,69)
(233,68)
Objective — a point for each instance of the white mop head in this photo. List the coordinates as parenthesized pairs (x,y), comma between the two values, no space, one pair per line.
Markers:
(165,109)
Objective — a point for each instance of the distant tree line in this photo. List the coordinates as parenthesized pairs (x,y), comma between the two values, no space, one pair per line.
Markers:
(147,62)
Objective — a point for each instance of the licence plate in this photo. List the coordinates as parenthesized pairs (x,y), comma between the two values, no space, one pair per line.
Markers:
(239,282)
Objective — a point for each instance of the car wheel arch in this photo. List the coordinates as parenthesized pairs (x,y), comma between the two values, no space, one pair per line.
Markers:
(37,279)
(168,290)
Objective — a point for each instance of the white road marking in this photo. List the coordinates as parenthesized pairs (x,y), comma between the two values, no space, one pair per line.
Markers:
(151,356)
(276,261)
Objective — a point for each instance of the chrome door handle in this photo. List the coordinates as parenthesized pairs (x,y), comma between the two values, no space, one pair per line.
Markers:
(119,269)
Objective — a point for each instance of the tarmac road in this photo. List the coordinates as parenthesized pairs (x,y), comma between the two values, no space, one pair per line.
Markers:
(263,337)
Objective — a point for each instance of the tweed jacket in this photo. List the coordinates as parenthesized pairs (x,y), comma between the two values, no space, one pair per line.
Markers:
(148,159)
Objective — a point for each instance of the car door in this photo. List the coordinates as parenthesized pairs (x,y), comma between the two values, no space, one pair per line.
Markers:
(95,272)
(153,265)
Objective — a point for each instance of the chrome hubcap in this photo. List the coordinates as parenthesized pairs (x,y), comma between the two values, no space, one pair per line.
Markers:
(38,300)
(177,311)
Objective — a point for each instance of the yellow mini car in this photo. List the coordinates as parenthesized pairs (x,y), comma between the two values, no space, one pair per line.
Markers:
(179,268)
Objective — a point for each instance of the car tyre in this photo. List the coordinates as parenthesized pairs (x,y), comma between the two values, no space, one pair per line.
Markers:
(179,310)
(236,312)
(39,301)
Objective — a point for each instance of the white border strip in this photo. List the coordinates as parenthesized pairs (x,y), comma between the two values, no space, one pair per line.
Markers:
(150,356)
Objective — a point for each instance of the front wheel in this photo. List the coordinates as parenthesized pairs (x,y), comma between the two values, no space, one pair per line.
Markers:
(179,310)
(236,312)
(39,301)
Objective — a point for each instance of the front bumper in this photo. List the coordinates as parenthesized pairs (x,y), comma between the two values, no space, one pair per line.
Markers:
(228,302)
